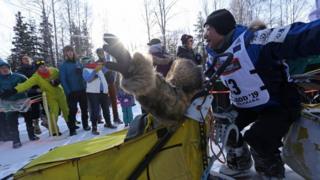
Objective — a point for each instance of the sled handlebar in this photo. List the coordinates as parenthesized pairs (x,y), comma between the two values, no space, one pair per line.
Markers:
(214,76)
(221,69)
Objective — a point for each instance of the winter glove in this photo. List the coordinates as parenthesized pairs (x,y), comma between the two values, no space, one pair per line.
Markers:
(7,93)
(55,82)
(114,47)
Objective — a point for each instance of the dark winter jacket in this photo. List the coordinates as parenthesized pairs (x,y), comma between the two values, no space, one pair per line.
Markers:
(28,70)
(126,100)
(71,76)
(157,51)
(184,52)
(10,81)
(267,48)
(162,68)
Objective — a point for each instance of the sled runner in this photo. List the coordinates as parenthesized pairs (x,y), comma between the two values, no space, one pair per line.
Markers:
(21,105)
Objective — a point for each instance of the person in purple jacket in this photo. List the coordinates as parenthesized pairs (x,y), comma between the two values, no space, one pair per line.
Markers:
(126,101)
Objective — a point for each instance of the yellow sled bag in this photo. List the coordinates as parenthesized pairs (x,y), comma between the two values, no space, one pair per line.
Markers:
(109,157)
(301,150)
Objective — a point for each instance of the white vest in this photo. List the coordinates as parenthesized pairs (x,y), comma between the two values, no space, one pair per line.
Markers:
(94,85)
(246,87)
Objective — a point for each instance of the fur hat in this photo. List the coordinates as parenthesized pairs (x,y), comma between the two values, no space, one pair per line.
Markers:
(222,20)
(185,37)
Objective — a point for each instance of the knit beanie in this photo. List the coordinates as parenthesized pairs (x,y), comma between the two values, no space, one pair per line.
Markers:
(184,38)
(154,41)
(4,63)
(222,20)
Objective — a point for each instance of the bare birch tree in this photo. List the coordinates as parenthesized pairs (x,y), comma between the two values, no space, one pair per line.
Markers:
(163,13)
(148,17)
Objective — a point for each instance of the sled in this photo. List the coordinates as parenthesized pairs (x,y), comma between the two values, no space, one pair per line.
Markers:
(309,80)
(109,157)
(159,154)
(52,124)
(301,150)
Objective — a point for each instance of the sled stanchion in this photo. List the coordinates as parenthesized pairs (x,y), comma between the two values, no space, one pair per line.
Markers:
(53,128)
(152,153)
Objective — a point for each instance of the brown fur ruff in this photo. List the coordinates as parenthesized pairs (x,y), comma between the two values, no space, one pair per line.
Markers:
(166,99)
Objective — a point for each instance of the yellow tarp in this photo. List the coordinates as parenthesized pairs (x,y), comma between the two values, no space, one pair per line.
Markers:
(109,158)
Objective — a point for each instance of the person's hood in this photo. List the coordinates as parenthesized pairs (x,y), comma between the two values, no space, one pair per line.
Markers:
(4,63)
(155,48)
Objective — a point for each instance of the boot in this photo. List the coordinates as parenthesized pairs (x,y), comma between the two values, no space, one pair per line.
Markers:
(44,121)
(16,145)
(59,134)
(36,126)
(71,128)
(34,138)
(118,121)
(87,128)
(111,126)
(268,167)
(239,162)
(94,130)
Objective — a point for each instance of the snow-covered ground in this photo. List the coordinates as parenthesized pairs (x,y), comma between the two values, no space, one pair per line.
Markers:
(12,160)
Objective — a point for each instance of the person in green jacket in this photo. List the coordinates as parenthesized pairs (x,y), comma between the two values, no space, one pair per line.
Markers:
(47,78)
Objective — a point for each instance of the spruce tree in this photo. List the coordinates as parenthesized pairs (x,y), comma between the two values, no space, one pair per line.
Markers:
(21,41)
(46,43)
(199,36)
(199,29)
(86,45)
(34,41)
(76,38)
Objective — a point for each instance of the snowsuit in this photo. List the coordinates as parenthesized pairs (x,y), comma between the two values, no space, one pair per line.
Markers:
(34,112)
(258,83)
(75,88)
(126,101)
(55,95)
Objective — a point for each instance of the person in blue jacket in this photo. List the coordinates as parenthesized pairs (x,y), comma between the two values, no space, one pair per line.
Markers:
(259,87)
(74,87)
(9,80)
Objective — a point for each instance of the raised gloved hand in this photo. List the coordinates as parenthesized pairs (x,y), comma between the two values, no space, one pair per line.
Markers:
(8,92)
(114,47)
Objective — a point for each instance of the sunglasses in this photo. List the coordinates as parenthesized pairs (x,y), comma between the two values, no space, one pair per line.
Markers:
(40,62)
